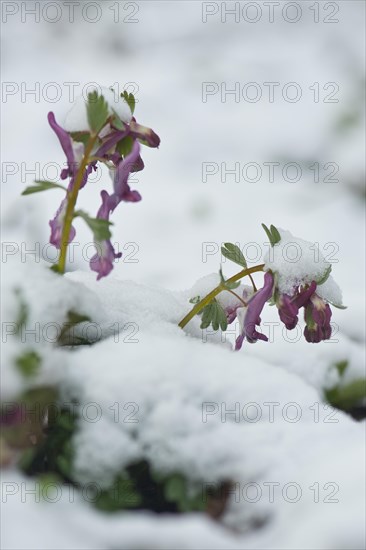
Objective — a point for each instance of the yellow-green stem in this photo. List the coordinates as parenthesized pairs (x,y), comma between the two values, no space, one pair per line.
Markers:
(71,201)
(198,307)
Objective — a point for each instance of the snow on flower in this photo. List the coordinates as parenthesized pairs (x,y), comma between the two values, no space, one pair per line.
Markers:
(296,276)
(76,119)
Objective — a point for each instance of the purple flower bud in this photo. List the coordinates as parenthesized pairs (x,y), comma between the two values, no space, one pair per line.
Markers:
(144,134)
(287,311)
(102,261)
(253,311)
(288,306)
(317,318)
(57,225)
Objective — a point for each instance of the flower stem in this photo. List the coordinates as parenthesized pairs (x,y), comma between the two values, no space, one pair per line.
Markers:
(198,307)
(237,296)
(71,202)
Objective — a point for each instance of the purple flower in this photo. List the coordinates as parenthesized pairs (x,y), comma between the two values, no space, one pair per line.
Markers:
(102,261)
(57,225)
(108,149)
(110,142)
(146,135)
(317,318)
(288,306)
(232,310)
(317,313)
(252,313)
(121,189)
(72,150)
(287,311)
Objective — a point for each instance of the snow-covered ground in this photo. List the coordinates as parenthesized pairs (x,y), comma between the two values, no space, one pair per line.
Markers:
(283,435)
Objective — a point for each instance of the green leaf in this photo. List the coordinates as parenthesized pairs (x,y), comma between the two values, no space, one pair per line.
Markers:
(117,122)
(45,482)
(194,300)
(28,363)
(176,491)
(74,318)
(64,465)
(121,495)
(268,233)
(175,488)
(231,286)
(233,253)
(341,366)
(273,234)
(124,147)
(220,317)
(67,336)
(42,186)
(214,314)
(97,111)
(81,137)
(23,311)
(207,316)
(325,276)
(99,227)
(226,284)
(130,100)
(348,396)
(338,306)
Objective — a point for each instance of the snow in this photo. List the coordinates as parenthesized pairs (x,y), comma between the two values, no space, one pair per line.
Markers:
(296,262)
(183,391)
(330,291)
(226,299)
(78,149)
(171,379)
(47,298)
(76,119)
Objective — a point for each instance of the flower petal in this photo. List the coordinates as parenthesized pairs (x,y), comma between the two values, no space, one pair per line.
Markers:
(57,225)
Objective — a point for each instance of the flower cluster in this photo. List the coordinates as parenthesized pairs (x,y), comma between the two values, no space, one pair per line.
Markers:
(317,312)
(290,283)
(101,130)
